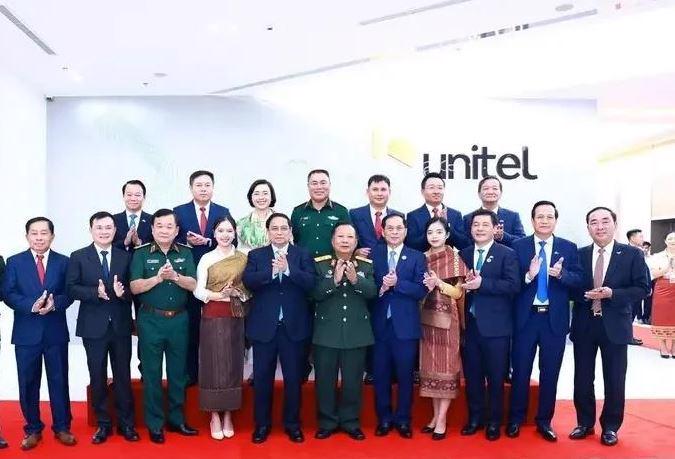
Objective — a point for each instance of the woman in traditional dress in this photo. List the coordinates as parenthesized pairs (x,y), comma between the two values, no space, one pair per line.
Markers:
(442,318)
(662,269)
(251,228)
(221,340)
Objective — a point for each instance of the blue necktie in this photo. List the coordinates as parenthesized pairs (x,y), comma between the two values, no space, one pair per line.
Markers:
(542,277)
(281,308)
(392,268)
(104,265)
(479,266)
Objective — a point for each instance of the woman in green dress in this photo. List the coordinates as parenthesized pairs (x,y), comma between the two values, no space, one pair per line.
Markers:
(251,228)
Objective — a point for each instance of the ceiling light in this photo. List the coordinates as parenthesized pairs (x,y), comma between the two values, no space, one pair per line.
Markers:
(159,74)
(564,7)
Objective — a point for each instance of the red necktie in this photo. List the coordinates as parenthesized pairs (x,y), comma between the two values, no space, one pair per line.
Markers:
(378,224)
(202,220)
(41,269)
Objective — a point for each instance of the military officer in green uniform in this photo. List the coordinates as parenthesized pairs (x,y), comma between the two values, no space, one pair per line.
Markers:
(162,274)
(313,221)
(342,332)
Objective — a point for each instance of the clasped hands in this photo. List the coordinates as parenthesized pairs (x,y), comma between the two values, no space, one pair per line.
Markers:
(553,271)
(344,268)
(599,293)
(431,280)
(226,293)
(132,238)
(388,281)
(166,272)
(472,281)
(118,288)
(44,304)
(197,239)
(279,265)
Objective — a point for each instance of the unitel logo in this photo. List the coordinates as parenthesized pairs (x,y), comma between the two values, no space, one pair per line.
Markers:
(507,166)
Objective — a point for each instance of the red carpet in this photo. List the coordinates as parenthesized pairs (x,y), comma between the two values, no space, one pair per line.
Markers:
(648,432)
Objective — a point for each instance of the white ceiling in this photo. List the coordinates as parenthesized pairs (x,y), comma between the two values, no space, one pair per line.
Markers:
(207,46)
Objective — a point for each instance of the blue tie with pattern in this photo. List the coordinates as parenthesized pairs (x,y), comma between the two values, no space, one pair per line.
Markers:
(104,265)
(542,277)
(479,266)
(392,268)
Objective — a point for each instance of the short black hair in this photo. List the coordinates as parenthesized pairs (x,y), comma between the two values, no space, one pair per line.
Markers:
(196,174)
(163,213)
(392,215)
(440,220)
(646,244)
(431,175)
(633,232)
(318,171)
(344,223)
(379,178)
(543,203)
(480,212)
(273,195)
(99,216)
(133,182)
(489,177)
(50,224)
(611,212)
(226,218)
(275,215)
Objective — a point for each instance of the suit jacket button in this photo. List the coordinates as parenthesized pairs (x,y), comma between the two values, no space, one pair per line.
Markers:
(344,319)
(344,307)
(345,295)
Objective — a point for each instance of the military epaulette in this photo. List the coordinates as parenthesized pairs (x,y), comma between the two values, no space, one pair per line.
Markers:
(142,245)
(367,260)
(184,245)
(323,258)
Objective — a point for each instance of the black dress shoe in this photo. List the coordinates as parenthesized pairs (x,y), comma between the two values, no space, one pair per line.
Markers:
(368,379)
(322,434)
(3,443)
(471,429)
(129,433)
(356,434)
(427,430)
(581,432)
(101,435)
(295,435)
(156,436)
(492,432)
(404,430)
(260,434)
(547,433)
(664,356)
(636,342)
(438,436)
(383,429)
(182,429)
(512,430)
(609,438)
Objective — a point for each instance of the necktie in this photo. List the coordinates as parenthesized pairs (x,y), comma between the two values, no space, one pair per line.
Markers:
(378,224)
(202,221)
(597,281)
(435,212)
(41,269)
(104,265)
(132,221)
(479,263)
(542,277)
(392,268)
(281,308)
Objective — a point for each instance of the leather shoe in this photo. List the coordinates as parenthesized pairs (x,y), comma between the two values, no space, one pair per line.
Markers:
(636,342)
(471,429)
(356,434)
(404,430)
(182,429)
(66,438)
(322,434)
(101,435)
(492,432)
(512,430)
(438,436)
(581,432)
(547,433)
(31,441)
(156,436)
(427,430)
(368,379)
(260,434)
(295,435)
(383,429)
(609,438)
(129,433)
(3,443)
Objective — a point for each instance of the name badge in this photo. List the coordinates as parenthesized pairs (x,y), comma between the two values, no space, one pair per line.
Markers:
(361,274)
(179,260)
(152,262)
(333,217)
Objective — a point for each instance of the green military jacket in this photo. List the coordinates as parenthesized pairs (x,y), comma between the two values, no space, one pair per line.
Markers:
(312,229)
(341,317)
(147,260)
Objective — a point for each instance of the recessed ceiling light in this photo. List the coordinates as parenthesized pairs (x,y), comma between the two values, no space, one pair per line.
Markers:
(159,74)
(564,7)
(270,28)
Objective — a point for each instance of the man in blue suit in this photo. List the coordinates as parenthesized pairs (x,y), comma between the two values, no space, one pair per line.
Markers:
(491,286)
(132,224)
(549,271)
(399,273)
(433,190)
(35,288)
(614,278)
(195,220)
(281,276)
(510,228)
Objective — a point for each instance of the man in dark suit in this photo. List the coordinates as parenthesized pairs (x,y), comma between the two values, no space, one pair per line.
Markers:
(549,272)
(3,442)
(614,278)
(281,276)
(636,239)
(433,190)
(510,228)
(491,286)
(399,273)
(35,288)
(132,224)
(98,278)
(195,220)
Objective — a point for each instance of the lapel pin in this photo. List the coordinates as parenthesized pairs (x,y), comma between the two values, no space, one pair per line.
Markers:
(404,257)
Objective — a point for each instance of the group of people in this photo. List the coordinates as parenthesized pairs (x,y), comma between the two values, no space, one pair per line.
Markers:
(367,290)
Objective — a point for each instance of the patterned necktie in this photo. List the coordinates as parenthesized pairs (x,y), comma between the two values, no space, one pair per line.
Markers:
(202,221)
(104,265)
(479,263)
(542,277)
(281,308)
(435,212)
(378,224)
(41,269)
(132,221)
(598,276)
(392,268)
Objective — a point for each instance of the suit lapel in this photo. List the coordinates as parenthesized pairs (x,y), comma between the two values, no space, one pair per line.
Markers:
(617,252)
(401,260)
(555,253)
(213,214)
(92,256)
(32,266)
(193,222)
(124,227)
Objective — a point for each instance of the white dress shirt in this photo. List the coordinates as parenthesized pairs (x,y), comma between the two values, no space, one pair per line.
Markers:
(486,247)
(99,249)
(44,260)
